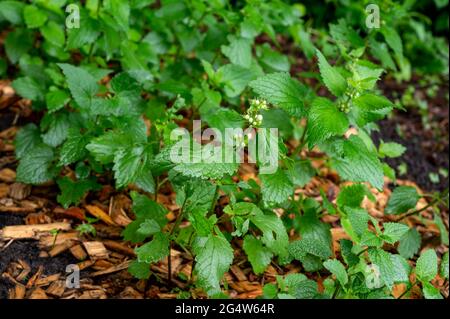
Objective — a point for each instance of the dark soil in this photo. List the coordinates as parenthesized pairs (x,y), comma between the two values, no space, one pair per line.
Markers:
(426,148)
(422,157)
(28,251)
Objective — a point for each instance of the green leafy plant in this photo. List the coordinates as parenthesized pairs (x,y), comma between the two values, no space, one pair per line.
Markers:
(112,91)
(87,228)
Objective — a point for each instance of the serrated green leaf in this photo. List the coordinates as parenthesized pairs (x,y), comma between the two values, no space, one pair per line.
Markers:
(145,208)
(155,250)
(222,118)
(235,78)
(393,39)
(74,148)
(442,229)
(127,164)
(274,236)
(203,226)
(273,60)
(430,291)
(371,239)
(120,10)
(194,194)
(301,172)
(305,289)
(148,227)
(144,179)
(444,266)
(27,138)
(54,33)
(105,147)
(56,100)
(384,261)
(324,121)
(12,11)
(73,191)
(369,108)
(350,258)
(391,149)
(337,269)
(403,198)
(289,281)
(427,266)
(36,166)
(366,74)
(343,33)
(81,84)
(34,17)
(57,130)
(139,270)
(381,52)
(394,231)
(315,239)
(276,188)
(333,80)
(355,222)
(353,195)
(239,51)
(410,243)
(207,162)
(131,232)
(18,43)
(212,261)
(258,255)
(402,269)
(87,33)
(28,88)
(283,91)
(359,164)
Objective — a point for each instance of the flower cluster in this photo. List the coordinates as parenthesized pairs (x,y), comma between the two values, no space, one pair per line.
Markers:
(344,106)
(253,116)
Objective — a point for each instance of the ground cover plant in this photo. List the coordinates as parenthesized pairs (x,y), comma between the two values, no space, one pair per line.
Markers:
(118,98)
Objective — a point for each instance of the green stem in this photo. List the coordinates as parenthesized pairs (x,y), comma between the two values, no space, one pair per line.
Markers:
(336,291)
(362,252)
(157,189)
(172,231)
(437,199)
(165,180)
(178,220)
(417,211)
(216,197)
(407,290)
(91,48)
(302,142)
